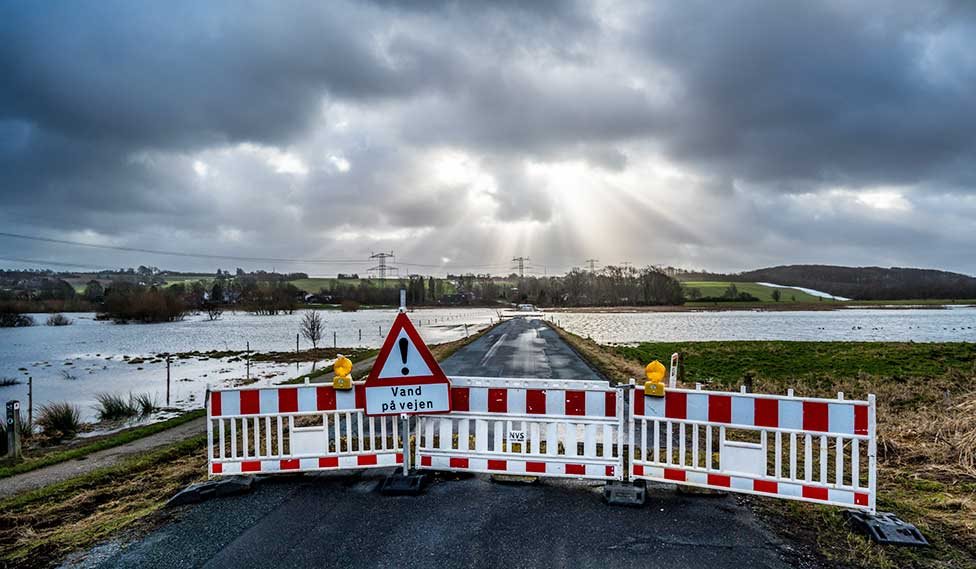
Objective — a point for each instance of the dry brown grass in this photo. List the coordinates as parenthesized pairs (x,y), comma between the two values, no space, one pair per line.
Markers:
(39,528)
(926,475)
(926,460)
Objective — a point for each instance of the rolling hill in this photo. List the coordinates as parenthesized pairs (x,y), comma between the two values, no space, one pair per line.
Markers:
(868,283)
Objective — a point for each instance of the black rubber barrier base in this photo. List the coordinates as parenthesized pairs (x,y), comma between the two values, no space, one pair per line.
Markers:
(404,485)
(620,493)
(886,528)
(212,489)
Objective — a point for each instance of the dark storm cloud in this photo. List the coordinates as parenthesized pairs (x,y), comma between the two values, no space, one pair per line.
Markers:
(189,73)
(223,122)
(865,93)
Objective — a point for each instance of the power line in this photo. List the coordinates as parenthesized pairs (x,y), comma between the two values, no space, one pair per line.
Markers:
(179,253)
(521,267)
(56,263)
(233,257)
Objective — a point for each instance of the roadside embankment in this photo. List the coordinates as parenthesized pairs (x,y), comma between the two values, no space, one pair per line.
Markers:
(926,405)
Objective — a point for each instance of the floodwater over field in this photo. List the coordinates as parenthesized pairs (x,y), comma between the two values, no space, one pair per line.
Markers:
(952,324)
(74,363)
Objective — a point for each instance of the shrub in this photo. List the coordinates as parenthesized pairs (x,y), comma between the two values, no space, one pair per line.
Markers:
(26,427)
(8,381)
(59,419)
(145,403)
(11,317)
(349,306)
(111,407)
(67,375)
(125,302)
(59,320)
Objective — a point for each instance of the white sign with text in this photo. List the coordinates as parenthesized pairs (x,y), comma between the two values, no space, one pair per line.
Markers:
(394,399)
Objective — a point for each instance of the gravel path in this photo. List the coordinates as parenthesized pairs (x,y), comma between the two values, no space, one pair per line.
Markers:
(69,469)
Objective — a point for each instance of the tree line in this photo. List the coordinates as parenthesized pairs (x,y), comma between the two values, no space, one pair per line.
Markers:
(612,286)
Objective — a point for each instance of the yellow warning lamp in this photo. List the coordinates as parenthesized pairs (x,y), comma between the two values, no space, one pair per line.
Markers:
(342,368)
(655,372)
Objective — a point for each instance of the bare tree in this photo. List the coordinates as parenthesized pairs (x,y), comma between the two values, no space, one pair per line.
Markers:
(312,327)
(214,310)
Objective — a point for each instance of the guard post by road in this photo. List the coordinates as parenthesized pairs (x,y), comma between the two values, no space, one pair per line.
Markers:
(13,430)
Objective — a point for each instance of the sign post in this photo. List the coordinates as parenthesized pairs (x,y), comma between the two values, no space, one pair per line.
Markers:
(405,429)
(13,430)
(405,380)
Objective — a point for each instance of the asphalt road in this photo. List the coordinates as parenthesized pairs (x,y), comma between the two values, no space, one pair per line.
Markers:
(462,521)
(520,347)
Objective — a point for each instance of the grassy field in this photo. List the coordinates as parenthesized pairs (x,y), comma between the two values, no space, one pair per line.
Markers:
(807,363)
(763,293)
(79,284)
(926,397)
(38,528)
(39,458)
(314,284)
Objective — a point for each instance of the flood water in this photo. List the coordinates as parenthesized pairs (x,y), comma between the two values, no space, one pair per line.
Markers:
(74,363)
(952,324)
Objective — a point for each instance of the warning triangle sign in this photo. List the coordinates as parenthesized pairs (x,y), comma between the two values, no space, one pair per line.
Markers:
(405,378)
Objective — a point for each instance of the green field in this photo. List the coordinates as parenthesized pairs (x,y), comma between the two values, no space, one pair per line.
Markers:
(763,293)
(314,284)
(792,364)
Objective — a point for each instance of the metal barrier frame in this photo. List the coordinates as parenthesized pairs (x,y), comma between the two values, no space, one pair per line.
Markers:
(487,409)
(670,420)
(580,424)
(271,442)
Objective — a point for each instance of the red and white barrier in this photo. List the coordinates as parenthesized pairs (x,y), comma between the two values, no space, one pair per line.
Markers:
(561,428)
(818,450)
(296,429)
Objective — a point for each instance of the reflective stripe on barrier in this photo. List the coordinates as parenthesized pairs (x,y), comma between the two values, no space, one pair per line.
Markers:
(296,429)
(561,428)
(818,450)
(815,450)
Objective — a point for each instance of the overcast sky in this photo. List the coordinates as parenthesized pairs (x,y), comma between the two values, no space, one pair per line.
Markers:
(717,135)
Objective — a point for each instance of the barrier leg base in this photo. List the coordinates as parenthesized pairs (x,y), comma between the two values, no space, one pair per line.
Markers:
(696,491)
(885,528)
(514,479)
(216,488)
(620,493)
(400,484)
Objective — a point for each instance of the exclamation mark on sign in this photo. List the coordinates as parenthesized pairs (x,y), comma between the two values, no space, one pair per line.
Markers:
(403,355)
